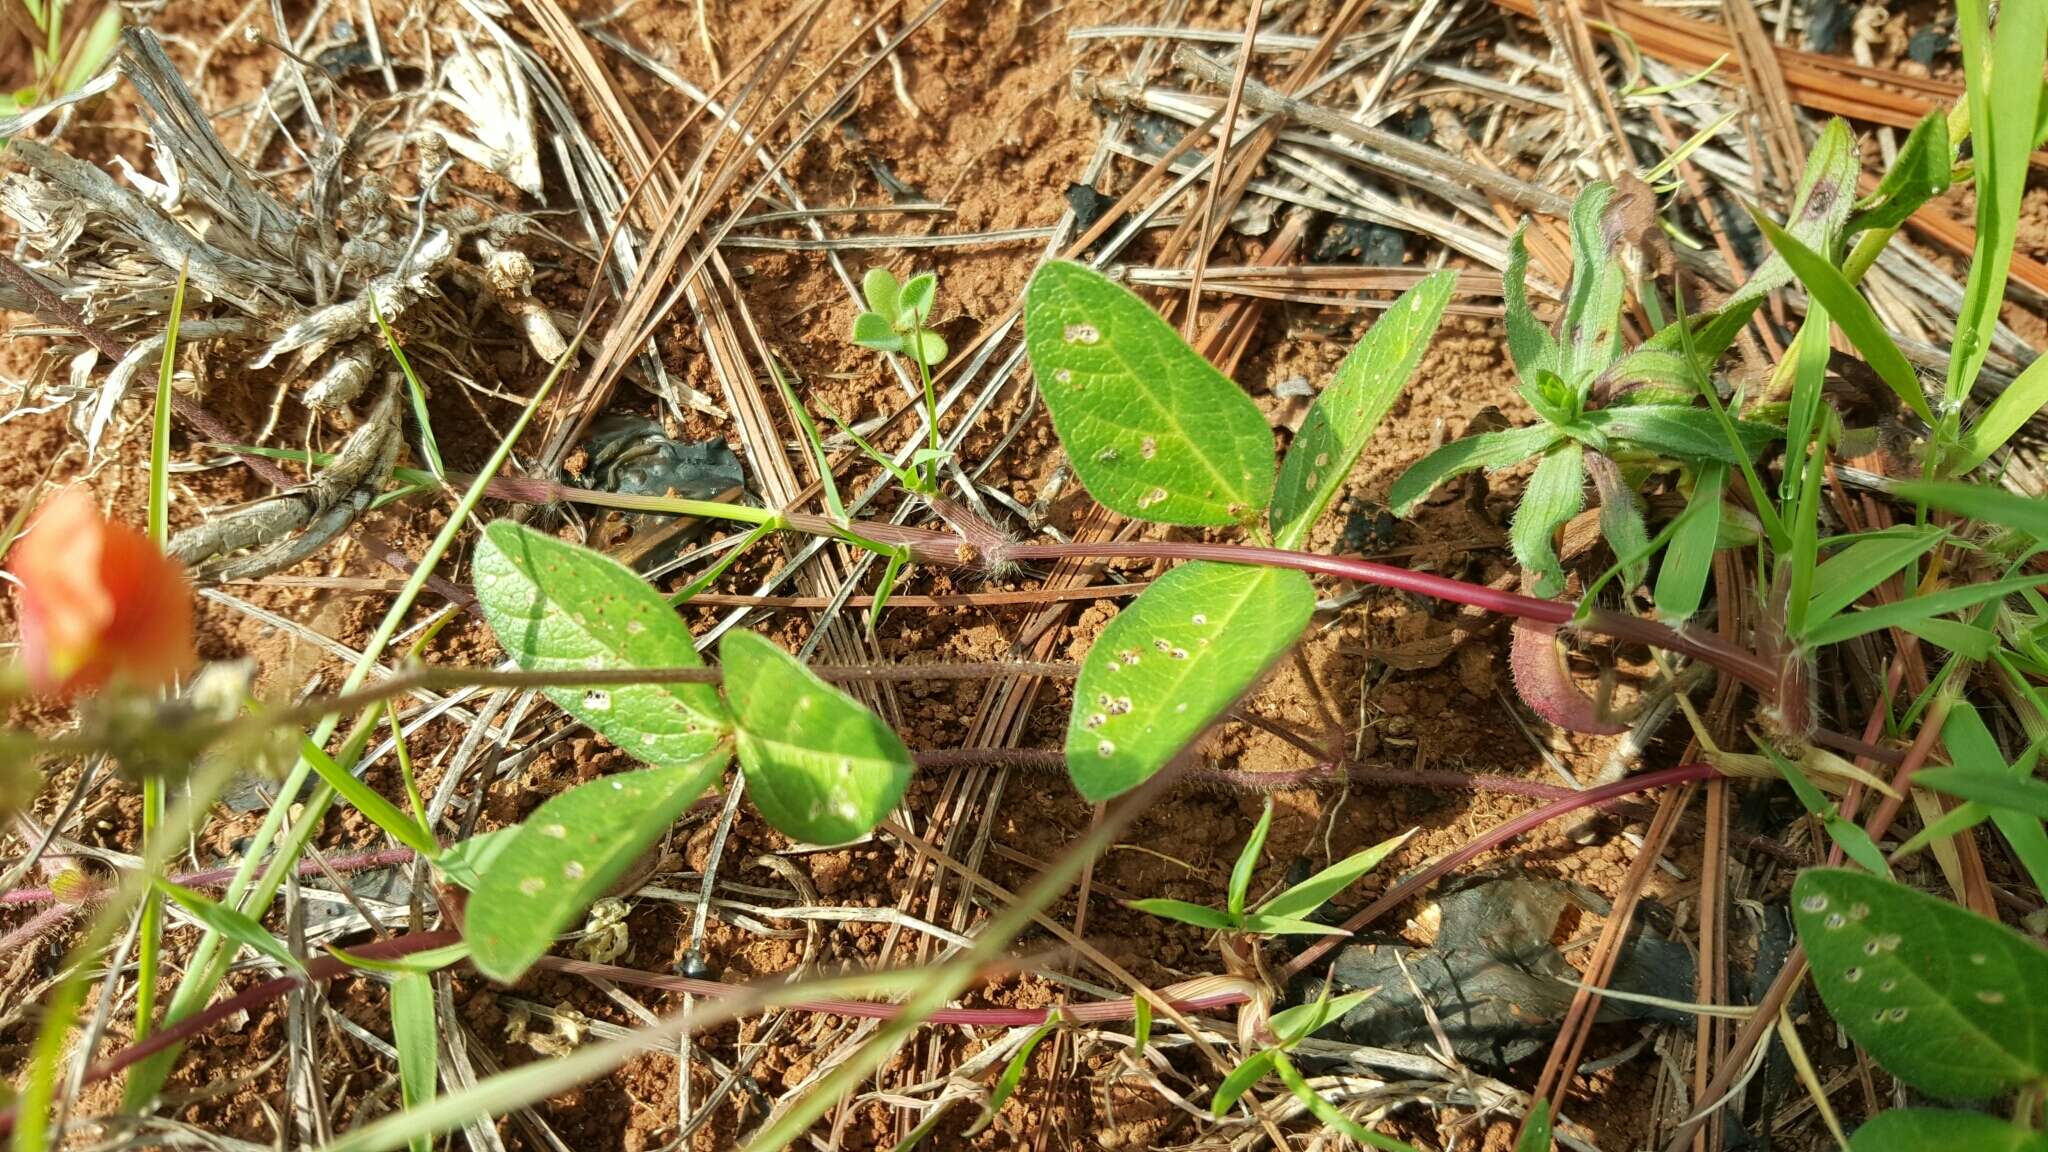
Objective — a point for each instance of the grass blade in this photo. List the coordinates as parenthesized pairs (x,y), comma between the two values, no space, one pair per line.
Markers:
(2025,396)
(1248,860)
(1850,312)
(415,1035)
(1013,1074)
(1689,559)
(2002,73)
(1902,612)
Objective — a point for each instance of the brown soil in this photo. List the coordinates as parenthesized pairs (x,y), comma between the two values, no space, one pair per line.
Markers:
(1000,134)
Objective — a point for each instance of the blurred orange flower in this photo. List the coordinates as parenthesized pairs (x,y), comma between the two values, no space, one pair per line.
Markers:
(99,603)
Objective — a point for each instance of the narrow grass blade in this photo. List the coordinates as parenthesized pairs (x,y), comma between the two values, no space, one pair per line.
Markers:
(2021,400)
(2002,74)
(1851,312)
(231,924)
(2027,514)
(1013,1075)
(1902,612)
(416,1036)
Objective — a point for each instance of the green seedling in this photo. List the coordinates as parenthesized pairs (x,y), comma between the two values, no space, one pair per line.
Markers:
(1561,373)
(818,764)
(1290,1028)
(1285,914)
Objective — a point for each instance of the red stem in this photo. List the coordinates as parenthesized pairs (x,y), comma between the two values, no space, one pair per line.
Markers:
(1744,666)
(213,877)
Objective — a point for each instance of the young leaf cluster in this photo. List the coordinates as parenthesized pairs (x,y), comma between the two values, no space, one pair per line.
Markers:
(1287,914)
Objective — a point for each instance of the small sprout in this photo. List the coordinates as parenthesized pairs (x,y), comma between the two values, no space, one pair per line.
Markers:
(896,316)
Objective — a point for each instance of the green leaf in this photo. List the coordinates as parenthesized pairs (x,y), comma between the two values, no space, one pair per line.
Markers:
(915,298)
(1554,495)
(1922,1129)
(231,923)
(1536,1130)
(1850,312)
(1862,566)
(2003,91)
(1260,924)
(872,330)
(1592,311)
(1669,430)
(1994,789)
(556,607)
(1621,519)
(1141,1028)
(879,288)
(1152,428)
(394,821)
(424,962)
(575,846)
(1922,171)
(1820,210)
(1689,558)
(1553,397)
(465,861)
(1955,636)
(1943,998)
(93,53)
(416,1036)
(1013,1074)
(1327,1113)
(931,347)
(1171,662)
(1853,840)
(1345,415)
(1201,916)
(1489,450)
(1323,887)
(1529,342)
(1971,746)
(1241,1079)
(2021,400)
(2027,514)
(1298,1023)
(1248,861)
(819,765)
(1899,613)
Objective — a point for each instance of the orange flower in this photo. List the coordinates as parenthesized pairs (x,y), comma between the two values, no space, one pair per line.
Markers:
(99,602)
